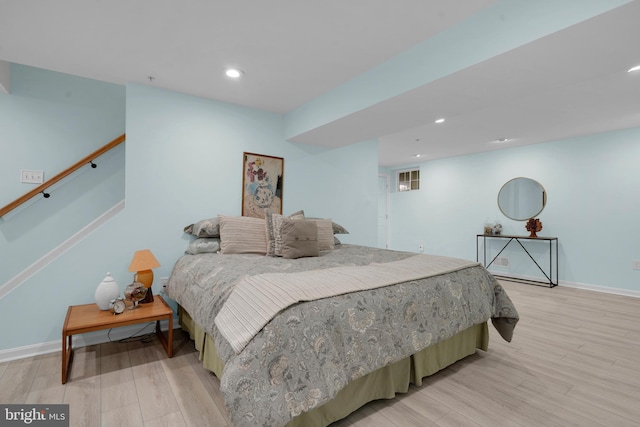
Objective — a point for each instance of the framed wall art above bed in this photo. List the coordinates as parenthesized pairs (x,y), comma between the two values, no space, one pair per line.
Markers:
(262,182)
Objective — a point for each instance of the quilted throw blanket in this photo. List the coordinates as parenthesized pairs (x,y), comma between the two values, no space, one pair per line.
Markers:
(310,350)
(255,300)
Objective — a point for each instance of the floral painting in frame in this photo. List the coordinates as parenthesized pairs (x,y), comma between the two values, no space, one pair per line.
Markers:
(262,181)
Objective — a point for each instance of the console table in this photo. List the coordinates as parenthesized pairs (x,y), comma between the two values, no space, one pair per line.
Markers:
(553,241)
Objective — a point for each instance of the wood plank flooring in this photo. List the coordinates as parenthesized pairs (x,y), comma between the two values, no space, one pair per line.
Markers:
(574,361)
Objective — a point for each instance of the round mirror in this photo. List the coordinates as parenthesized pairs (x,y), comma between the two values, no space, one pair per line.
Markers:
(522,198)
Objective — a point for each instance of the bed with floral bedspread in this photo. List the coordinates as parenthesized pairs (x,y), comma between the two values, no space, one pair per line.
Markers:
(310,350)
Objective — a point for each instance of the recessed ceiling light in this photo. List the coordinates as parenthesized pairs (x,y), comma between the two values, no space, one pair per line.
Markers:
(417,155)
(632,69)
(501,140)
(440,120)
(234,73)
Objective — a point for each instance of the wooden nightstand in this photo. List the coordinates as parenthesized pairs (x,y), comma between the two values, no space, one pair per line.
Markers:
(88,318)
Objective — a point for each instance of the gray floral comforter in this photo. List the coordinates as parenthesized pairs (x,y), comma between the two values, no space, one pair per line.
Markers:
(311,350)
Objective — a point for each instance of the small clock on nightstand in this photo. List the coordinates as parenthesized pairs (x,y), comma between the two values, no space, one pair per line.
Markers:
(117,306)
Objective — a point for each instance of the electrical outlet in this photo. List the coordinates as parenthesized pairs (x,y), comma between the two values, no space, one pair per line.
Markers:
(421,247)
(163,284)
(501,262)
(31,177)
(635,264)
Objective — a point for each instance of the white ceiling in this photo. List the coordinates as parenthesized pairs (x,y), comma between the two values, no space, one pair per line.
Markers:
(570,83)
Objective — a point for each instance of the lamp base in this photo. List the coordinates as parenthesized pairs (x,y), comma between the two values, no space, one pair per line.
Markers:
(148,297)
(146,278)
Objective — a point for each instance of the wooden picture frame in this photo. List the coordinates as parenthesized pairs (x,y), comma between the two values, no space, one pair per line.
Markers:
(262,184)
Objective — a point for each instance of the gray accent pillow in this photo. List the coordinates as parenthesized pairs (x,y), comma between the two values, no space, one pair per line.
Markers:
(205,228)
(299,238)
(204,245)
(297,215)
(338,229)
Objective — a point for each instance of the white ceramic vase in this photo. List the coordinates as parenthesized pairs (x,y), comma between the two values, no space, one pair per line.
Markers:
(107,291)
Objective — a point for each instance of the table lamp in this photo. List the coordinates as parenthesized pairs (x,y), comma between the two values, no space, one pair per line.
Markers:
(142,263)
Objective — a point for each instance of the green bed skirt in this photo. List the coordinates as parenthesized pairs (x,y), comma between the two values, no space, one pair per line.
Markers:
(381,384)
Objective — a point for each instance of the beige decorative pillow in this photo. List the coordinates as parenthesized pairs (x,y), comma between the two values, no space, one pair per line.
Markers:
(242,235)
(325,234)
(299,238)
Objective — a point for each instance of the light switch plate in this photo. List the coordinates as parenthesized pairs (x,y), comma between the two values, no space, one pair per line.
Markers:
(31,177)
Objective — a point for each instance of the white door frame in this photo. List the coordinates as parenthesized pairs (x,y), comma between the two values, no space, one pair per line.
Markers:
(386,214)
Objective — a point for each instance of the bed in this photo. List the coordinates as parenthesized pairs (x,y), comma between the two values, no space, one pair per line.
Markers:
(286,358)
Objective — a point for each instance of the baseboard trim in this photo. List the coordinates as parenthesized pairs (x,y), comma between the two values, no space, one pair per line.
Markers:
(577,285)
(603,289)
(56,252)
(83,340)
(505,275)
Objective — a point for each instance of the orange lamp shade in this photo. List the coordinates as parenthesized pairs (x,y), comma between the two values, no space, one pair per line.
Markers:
(142,263)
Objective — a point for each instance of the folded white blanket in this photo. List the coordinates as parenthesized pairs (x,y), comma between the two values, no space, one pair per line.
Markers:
(255,300)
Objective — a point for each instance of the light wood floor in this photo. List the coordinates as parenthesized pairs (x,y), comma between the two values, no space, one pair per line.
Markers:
(574,361)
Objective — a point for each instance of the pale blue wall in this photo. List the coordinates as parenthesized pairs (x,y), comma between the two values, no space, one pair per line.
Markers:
(337,183)
(592,206)
(183,163)
(48,122)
